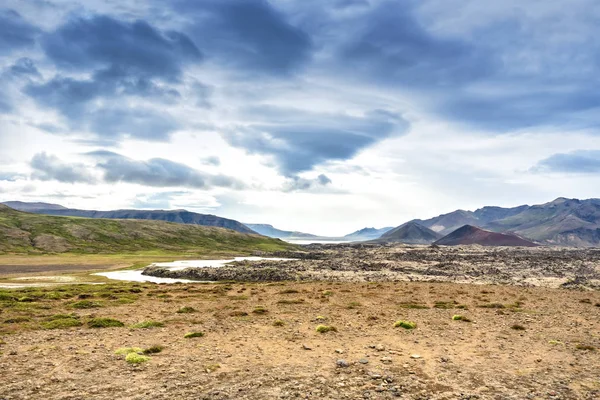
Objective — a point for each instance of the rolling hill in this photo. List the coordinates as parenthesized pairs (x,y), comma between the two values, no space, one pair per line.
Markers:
(22,232)
(469,234)
(410,233)
(178,216)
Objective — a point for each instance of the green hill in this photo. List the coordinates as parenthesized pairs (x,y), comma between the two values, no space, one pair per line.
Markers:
(25,233)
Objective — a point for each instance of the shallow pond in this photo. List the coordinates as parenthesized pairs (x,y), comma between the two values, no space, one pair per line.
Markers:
(136,274)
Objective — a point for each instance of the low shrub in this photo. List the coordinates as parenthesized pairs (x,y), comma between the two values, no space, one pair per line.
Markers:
(326,328)
(190,335)
(105,323)
(148,325)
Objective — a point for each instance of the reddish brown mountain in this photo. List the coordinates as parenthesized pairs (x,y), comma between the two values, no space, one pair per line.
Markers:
(469,234)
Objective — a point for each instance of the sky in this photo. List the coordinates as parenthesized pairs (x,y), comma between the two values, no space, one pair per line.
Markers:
(322,116)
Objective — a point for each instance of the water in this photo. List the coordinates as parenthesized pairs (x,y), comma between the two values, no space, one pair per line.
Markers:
(136,274)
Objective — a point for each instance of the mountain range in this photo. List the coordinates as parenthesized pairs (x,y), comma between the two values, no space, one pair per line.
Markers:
(469,234)
(566,222)
(179,216)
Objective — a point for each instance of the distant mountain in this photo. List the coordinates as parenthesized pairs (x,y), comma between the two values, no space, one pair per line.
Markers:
(178,216)
(564,222)
(270,231)
(447,223)
(469,234)
(367,233)
(410,233)
(31,207)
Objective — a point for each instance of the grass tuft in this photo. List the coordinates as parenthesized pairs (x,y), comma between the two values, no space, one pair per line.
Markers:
(105,323)
(148,325)
(186,310)
(460,318)
(326,328)
(405,324)
(85,304)
(190,335)
(127,350)
(517,327)
(278,323)
(155,349)
(260,310)
(135,358)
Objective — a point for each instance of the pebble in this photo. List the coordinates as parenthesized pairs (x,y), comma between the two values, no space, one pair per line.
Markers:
(363,361)
(306,347)
(342,363)
(415,356)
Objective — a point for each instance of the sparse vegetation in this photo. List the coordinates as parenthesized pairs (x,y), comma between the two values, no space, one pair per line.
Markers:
(127,350)
(278,323)
(190,335)
(289,291)
(148,325)
(353,305)
(105,323)
(62,321)
(186,310)
(260,310)
(85,304)
(291,301)
(492,305)
(581,346)
(411,305)
(238,314)
(155,349)
(326,328)
(461,318)
(135,358)
(405,324)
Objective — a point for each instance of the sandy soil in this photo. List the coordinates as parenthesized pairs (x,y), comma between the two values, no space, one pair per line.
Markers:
(248,357)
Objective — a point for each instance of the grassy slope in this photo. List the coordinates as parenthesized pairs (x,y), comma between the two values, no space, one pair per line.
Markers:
(24,233)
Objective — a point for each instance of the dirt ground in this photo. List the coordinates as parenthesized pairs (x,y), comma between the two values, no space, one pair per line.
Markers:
(260,342)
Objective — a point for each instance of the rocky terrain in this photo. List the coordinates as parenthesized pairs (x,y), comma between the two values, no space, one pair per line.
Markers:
(539,266)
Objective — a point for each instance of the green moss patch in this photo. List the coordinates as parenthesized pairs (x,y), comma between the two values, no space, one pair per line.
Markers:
(326,328)
(190,335)
(105,323)
(148,325)
(405,324)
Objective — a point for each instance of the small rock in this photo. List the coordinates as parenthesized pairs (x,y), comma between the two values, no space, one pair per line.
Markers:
(415,356)
(363,361)
(339,351)
(306,347)
(380,347)
(342,363)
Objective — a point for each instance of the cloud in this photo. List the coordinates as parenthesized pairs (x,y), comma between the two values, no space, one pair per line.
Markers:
(15,32)
(296,184)
(247,34)
(298,140)
(158,172)
(25,67)
(579,161)
(393,47)
(103,42)
(48,167)
(212,160)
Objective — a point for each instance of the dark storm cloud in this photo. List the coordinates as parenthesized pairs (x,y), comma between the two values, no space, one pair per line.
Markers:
(48,167)
(158,172)
(579,161)
(299,140)
(137,47)
(122,59)
(249,34)
(15,32)
(393,47)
